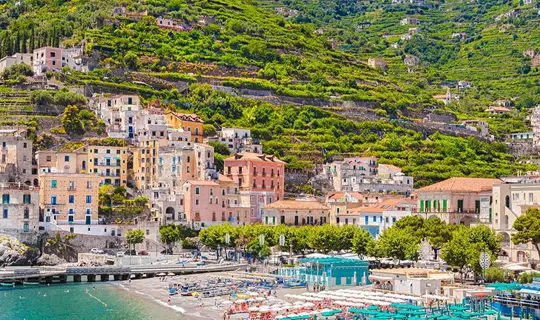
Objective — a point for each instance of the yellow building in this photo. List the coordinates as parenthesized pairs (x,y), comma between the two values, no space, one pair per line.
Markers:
(188,122)
(109,163)
(68,198)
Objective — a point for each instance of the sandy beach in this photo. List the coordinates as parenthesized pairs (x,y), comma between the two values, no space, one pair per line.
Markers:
(157,291)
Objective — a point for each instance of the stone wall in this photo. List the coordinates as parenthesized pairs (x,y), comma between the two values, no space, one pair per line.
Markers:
(29,238)
(84,243)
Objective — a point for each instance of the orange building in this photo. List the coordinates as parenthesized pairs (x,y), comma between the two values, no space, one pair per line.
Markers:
(188,122)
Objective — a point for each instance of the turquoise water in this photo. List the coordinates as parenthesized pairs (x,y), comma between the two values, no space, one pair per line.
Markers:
(107,301)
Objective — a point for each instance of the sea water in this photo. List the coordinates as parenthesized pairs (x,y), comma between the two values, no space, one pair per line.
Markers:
(81,302)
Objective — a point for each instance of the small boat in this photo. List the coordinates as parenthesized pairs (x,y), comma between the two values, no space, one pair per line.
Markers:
(31,283)
(2,284)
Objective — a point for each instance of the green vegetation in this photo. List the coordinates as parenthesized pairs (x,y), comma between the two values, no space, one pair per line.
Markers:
(527,277)
(171,234)
(77,122)
(17,73)
(60,98)
(115,207)
(528,227)
(134,237)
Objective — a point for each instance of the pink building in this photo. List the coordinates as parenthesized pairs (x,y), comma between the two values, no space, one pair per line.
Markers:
(260,180)
(47,59)
(168,24)
(205,203)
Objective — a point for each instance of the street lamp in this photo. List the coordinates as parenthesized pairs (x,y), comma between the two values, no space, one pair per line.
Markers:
(227,241)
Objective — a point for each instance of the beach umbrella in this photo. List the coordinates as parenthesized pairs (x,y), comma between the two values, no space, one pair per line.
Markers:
(253,309)
(170,274)
(226,303)
(240,301)
(162,274)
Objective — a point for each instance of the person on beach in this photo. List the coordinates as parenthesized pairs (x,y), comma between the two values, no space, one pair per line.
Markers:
(169,300)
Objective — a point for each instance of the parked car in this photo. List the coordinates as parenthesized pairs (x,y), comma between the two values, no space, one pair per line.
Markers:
(131,252)
(143,253)
(96,251)
(120,254)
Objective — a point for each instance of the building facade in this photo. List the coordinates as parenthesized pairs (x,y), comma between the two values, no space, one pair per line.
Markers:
(16,162)
(238,140)
(457,200)
(109,163)
(20,207)
(260,179)
(187,122)
(510,201)
(340,203)
(119,113)
(298,212)
(68,199)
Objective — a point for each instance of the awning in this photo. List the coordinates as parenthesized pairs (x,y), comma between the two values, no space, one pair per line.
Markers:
(529,291)
(516,267)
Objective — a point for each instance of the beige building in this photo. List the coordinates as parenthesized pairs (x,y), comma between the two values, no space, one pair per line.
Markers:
(457,200)
(20,207)
(340,203)
(68,199)
(16,164)
(296,212)
(63,161)
(510,201)
(109,163)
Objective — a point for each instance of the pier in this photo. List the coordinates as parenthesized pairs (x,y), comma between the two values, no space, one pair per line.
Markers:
(93,274)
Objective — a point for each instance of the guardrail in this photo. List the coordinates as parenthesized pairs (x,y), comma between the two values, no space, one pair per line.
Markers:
(108,270)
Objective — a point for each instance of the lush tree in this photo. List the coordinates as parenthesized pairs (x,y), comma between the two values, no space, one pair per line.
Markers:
(528,228)
(220,148)
(71,121)
(361,242)
(398,244)
(134,237)
(169,234)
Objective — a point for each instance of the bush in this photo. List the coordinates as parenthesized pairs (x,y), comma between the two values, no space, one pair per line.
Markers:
(18,72)
(495,274)
(528,277)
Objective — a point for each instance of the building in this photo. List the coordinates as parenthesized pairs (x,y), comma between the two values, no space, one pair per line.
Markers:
(238,140)
(16,163)
(411,60)
(187,122)
(378,217)
(298,212)
(20,207)
(260,179)
(510,201)
(377,63)
(110,163)
(408,20)
(479,126)
(166,23)
(68,199)
(361,174)
(341,202)
(457,200)
(47,59)
(414,281)
(119,113)
(18,58)
(521,136)
(535,124)
(63,161)
(498,110)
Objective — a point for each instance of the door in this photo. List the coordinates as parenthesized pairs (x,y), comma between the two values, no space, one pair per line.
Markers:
(88,219)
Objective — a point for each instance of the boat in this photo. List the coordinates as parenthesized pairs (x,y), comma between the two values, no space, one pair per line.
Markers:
(2,284)
(30,283)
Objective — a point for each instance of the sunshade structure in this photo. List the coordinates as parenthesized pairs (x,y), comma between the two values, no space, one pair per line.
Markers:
(501,286)
(330,270)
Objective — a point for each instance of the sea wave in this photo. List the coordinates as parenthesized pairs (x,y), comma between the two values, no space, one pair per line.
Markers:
(165,304)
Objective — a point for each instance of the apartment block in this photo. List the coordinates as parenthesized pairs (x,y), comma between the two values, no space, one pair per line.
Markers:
(109,163)
(16,163)
(297,212)
(260,179)
(67,199)
(187,122)
(119,113)
(20,207)
(238,140)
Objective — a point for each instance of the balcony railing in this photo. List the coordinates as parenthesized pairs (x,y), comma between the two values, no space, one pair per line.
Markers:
(464,211)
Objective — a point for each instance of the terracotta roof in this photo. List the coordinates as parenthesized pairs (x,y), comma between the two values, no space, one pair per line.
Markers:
(203,183)
(439,96)
(384,205)
(255,157)
(297,204)
(339,195)
(190,117)
(497,108)
(459,184)
(223,178)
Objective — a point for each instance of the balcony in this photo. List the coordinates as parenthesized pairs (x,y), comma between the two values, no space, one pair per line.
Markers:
(72,188)
(107,164)
(110,174)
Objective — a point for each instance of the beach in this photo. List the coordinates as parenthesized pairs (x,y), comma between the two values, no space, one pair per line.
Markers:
(154,289)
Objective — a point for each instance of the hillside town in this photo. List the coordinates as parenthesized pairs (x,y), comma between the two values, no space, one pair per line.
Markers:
(165,158)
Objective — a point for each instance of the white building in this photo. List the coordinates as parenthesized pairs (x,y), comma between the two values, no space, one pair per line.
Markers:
(535,123)
(414,281)
(18,58)
(119,113)
(239,140)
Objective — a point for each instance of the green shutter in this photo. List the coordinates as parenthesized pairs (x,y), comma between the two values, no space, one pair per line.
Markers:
(421,205)
(444,205)
(266,220)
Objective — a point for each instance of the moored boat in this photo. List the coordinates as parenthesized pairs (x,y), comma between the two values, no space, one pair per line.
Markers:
(30,283)
(3,284)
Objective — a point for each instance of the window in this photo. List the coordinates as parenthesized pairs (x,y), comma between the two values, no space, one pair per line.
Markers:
(374,219)
(26,213)
(25,145)
(196,202)
(197,190)
(88,199)
(71,211)
(89,184)
(66,158)
(71,218)
(27,199)
(5,213)
(53,183)
(366,220)
(5,198)
(53,200)
(147,232)
(71,199)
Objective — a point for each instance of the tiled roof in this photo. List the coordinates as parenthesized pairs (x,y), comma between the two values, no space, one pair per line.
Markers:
(339,195)
(255,157)
(203,183)
(385,205)
(297,204)
(459,184)
(223,178)
(190,117)
(390,166)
